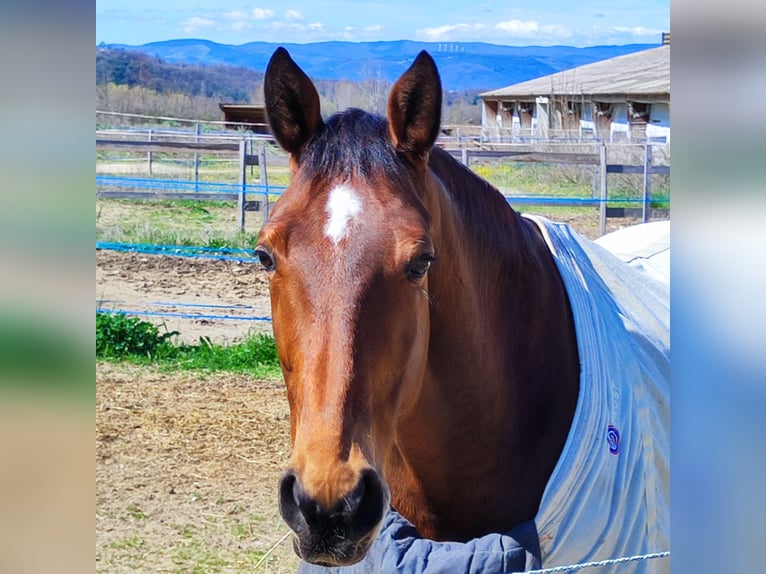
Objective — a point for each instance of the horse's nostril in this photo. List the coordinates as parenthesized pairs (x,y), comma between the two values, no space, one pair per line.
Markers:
(372,502)
(289,500)
(298,508)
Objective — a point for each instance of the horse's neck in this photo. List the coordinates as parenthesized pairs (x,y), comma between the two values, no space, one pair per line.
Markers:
(497,297)
(501,382)
(490,259)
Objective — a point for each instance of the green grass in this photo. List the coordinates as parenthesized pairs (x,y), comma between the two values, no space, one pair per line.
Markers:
(553,180)
(214,223)
(135,512)
(128,543)
(129,552)
(181,222)
(123,338)
(119,336)
(538,179)
(196,557)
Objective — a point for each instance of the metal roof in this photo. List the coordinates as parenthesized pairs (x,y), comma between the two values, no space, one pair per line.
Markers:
(641,73)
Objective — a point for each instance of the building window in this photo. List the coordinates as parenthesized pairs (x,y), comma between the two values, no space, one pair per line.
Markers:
(638,112)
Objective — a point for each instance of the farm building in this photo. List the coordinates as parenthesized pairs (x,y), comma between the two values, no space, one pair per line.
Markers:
(626,98)
(248,116)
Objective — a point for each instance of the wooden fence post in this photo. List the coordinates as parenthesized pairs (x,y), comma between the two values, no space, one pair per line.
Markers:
(647,182)
(196,159)
(602,203)
(149,155)
(242,184)
(264,181)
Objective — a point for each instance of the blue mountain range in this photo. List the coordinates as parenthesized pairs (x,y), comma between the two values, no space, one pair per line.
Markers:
(462,65)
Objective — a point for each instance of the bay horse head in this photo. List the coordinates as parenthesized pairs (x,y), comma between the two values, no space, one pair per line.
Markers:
(348,251)
(351,250)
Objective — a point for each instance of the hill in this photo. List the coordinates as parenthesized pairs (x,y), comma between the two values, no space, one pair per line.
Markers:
(463,66)
(133,68)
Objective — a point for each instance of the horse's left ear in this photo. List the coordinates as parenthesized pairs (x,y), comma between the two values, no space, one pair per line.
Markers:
(414,108)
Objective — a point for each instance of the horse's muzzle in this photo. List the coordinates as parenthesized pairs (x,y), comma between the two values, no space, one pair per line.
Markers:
(337,536)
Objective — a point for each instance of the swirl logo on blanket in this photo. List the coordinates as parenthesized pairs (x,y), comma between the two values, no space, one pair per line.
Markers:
(613,439)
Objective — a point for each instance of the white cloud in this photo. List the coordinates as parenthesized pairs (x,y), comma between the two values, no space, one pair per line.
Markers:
(558,31)
(444,32)
(637,31)
(191,25)
(518,27)
(293,16)
(308,32)
(531,29)
(357,34)
(262,13)
(517,31)
(236,15)
(240,26)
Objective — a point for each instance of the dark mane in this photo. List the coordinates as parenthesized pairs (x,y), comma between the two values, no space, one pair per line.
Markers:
(353,142)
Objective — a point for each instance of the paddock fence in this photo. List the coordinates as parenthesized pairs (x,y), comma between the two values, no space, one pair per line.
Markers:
(151,163)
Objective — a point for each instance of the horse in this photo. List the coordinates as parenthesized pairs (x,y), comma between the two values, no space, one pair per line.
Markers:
(424,331)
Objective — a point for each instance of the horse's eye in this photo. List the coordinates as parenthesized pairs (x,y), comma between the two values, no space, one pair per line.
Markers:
(265,258)
(417,268)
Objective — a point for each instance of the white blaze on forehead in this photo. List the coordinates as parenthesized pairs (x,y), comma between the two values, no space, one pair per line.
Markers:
(343,206)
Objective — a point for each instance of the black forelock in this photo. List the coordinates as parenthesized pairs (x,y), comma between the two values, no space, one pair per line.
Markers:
(353,142)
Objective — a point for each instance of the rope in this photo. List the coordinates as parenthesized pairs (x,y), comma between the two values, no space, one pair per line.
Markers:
(218,254)
(116,245)
(176,304)
(609,562)
(185,185)
(182,315)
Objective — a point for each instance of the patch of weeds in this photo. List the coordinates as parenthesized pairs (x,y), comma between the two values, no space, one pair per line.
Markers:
(256,355)
(178,222)
(119,336)
(187,531)
(255,556)
(123,338)
(242,531)
(135,512)
(128,543)
(549,180)
(194,558)
(130,552)
(246,240)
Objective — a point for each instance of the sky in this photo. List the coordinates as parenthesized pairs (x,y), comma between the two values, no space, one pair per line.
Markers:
(505,22)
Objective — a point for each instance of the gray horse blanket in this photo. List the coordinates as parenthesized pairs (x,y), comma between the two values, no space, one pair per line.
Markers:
(609,495)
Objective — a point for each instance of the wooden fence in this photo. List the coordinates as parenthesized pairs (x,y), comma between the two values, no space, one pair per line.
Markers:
(595,155)
(646,169)
(245,159)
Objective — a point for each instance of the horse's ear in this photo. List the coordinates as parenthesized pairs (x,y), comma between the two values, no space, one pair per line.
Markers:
(414,108)
(292,102)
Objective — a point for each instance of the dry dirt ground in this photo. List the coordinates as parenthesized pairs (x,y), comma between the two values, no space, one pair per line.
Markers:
(186,472)
(185,286)
(187,464)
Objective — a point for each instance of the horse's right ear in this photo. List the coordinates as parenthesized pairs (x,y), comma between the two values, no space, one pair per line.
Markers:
(292,103)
